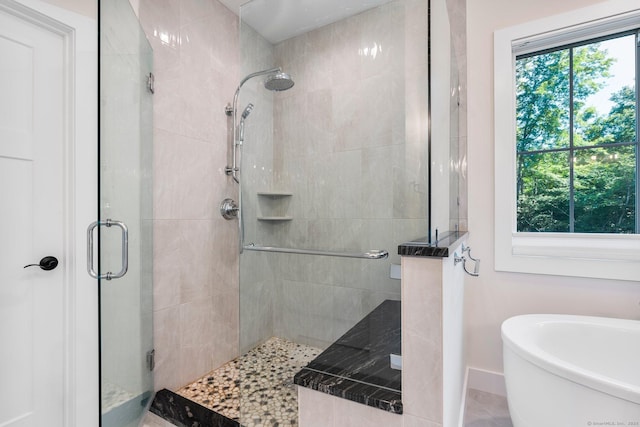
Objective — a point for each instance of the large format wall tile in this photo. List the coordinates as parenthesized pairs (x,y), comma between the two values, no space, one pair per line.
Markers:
(196,63)
(347,144)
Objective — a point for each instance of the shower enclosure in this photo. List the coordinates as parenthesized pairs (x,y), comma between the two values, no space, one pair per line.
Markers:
(330,173)
(338,165)
(125,195)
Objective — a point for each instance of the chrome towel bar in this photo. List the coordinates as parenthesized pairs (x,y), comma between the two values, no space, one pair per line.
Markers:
(371,254)
(463,259)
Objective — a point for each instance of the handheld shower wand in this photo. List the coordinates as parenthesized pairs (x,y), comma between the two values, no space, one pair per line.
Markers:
(247,111)
(245,114)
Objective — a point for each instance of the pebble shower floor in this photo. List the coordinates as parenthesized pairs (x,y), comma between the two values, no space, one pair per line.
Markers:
(255,389)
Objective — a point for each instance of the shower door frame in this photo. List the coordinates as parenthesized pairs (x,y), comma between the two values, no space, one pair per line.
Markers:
(124,185)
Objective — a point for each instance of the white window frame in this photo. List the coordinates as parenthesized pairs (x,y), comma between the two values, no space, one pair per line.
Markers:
(607,256)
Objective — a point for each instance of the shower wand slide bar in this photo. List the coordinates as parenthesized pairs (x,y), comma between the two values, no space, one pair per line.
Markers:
(371,254)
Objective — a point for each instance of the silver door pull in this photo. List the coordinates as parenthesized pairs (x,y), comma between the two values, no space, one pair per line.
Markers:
(125,249)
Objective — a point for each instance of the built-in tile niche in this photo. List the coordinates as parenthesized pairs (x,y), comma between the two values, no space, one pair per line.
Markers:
(274,206)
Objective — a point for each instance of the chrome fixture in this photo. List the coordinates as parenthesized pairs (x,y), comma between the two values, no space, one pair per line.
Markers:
(247,111)
(229,209)
(279,82)
(244,115)
(151,83)
(370,254)
(125,249)
(151,359)
(463,259)
(276,81)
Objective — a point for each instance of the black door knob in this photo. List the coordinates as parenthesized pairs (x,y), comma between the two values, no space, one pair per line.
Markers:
(47,263)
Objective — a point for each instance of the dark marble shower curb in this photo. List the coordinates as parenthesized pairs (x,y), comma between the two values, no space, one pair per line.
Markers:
(441,248)
(186,413)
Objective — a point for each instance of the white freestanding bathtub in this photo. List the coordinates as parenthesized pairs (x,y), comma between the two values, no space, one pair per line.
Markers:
(572,371)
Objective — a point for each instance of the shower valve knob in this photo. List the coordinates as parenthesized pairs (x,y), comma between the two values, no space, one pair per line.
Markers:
(229,209)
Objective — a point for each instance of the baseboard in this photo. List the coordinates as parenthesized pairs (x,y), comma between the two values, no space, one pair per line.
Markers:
(488,381)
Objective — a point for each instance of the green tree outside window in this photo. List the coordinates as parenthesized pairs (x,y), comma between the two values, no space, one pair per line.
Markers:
(576,164)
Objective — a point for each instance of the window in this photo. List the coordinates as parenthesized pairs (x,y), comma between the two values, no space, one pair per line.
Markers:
(566,144)
(576,137)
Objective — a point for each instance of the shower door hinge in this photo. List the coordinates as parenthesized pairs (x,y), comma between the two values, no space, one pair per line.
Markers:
(151,83)
(151,359)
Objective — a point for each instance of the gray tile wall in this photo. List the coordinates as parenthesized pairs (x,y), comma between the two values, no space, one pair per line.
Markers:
(349,141)
(196,59)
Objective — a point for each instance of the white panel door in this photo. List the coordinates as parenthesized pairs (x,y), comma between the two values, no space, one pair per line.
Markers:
(36,214)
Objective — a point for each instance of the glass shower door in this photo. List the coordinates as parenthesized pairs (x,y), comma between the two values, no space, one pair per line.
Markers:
(125,226)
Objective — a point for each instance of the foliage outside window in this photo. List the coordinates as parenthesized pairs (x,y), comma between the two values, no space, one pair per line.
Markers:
(576,137)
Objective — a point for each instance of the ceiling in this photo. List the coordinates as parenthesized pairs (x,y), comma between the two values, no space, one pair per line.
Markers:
(278,20)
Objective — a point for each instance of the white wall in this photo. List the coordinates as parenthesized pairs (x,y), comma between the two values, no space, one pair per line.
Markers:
(495,296)
(83,7)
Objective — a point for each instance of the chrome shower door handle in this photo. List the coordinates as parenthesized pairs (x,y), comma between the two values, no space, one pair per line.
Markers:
(125,249)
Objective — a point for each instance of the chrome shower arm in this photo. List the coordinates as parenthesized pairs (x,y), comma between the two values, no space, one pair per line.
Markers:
(234,108)
(233,170)
(258,73)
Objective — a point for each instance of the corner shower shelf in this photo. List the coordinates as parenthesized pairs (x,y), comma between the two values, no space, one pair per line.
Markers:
(275,218)
(274,194)
(274,206)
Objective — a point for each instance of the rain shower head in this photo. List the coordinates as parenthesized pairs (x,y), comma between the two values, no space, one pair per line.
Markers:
(276,81)
(279,82)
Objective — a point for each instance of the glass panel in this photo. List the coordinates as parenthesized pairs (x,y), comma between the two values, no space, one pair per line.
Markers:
(605,190)
(125,195)
(542,101)
(604,92)
(339,163)
(543,192)
(458,140)
(455,158)
(447,159)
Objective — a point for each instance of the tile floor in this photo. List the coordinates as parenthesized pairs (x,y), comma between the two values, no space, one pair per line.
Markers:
(486,410)
(272,399)
(482,410)
(257,388)
(152,420)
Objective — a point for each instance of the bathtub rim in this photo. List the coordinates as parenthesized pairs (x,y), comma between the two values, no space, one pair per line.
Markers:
(562,368)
